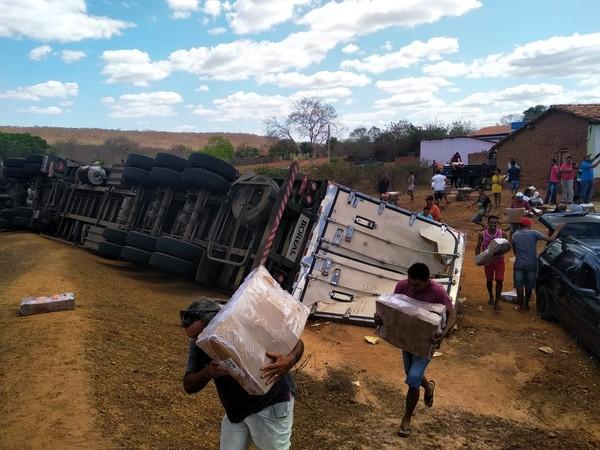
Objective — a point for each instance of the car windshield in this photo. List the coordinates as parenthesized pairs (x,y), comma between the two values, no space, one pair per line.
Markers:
(582,230)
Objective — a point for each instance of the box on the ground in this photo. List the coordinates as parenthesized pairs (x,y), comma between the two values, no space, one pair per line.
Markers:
(509,296)
(514,215)
(47,303)
(409,324)
(497,248)
(260,317)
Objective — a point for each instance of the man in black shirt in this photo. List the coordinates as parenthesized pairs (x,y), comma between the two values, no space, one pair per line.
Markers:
(484,205)
(266,419)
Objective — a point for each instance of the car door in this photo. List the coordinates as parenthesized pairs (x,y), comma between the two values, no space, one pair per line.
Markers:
(565,290)
(585,306)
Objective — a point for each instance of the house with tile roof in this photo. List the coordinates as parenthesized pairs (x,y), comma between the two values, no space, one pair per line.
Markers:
(561,131)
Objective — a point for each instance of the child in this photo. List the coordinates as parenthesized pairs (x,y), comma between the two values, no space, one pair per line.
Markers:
(410,190)
(426,213)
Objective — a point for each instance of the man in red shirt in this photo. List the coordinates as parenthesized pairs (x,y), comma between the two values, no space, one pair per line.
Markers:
(420,287)
(434,209)
(553,180)
(567,177)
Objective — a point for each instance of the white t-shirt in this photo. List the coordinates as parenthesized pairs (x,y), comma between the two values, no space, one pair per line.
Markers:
(438,182)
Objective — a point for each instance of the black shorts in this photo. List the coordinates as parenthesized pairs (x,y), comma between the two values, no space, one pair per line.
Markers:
(439,194)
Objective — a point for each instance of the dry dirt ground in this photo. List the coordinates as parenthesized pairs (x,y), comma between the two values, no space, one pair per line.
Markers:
(108,374)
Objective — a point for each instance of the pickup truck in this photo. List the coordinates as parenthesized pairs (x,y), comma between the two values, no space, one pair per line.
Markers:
(334,248)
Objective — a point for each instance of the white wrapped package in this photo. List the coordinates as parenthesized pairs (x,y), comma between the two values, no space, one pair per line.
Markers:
(407,325)
(260,317)
(493,253)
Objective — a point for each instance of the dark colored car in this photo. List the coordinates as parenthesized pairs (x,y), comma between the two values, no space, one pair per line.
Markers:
(568,280)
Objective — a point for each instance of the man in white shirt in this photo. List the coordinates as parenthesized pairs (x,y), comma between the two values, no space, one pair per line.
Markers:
(438,183)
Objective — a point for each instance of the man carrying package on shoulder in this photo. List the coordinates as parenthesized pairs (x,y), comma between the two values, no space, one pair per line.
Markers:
(418,286)
(266,419)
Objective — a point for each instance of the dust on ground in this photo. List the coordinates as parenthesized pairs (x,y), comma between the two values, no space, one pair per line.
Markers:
(108,374)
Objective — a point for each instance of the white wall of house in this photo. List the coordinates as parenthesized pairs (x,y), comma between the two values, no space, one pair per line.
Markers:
(441,150)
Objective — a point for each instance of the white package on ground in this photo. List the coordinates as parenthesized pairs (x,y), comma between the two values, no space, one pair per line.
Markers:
(260,317)
(433,313)
(494,252)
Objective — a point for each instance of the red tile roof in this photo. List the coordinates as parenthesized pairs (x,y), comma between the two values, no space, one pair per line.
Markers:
(589,111)
(492,131)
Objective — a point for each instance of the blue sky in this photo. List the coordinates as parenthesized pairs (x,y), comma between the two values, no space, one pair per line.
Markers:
(212,65)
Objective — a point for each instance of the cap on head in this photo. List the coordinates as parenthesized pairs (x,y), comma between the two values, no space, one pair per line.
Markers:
(525,222)
(519,195)
(203,309)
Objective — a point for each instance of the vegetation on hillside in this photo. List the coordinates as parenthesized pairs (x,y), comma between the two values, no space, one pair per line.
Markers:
(20,144)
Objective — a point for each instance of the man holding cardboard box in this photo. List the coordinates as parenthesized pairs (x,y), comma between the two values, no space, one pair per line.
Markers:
(264,419)
(419,287)
(495,269)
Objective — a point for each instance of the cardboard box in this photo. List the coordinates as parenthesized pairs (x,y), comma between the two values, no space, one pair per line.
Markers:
(514,215)
(409,326)
(493,253)
(47,303)
(260,317)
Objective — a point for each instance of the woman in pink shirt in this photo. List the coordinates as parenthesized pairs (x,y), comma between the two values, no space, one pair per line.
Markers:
(553,181)
(567,175)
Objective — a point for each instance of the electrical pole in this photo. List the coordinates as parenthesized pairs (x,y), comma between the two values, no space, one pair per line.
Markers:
(329,142)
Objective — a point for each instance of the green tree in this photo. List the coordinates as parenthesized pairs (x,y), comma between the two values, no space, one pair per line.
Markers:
(247,151)
(460,128)
(219,147)
(284,148)
(533,112)
(19,144)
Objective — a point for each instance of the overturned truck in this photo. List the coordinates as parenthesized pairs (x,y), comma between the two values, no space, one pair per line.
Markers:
(333,248)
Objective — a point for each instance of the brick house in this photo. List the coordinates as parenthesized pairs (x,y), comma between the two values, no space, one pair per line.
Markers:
(560,131)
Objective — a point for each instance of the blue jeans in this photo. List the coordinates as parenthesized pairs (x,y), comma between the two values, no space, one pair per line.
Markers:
(514,185)
(551,192)
(414,366)
(269,429)
(524,278)
(585,191)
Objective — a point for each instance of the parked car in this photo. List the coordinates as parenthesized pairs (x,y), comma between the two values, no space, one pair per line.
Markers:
(568,280)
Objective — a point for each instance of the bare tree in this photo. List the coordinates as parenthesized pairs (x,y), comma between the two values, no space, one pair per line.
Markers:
(310,120)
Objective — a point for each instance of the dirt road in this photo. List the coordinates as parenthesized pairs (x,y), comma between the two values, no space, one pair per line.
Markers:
(108,374)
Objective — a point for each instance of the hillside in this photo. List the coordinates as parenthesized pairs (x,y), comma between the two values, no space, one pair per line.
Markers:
(160,139)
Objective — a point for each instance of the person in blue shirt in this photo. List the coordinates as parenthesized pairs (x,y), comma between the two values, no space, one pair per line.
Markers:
(514,176)
(587,177)
(426,213)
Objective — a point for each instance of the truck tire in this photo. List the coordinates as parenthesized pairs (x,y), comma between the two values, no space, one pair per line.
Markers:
(21,222)
(135,255)
(135,176)
(139,161)
(34,159)
(181,249)
(109,250)
(166,177)
(169,161)
(7,213)
(195,177)
(258,204)
(543,303)
(212,164)
(173,264)
(23,211)
(115,236)
(141,240)
(32,169)
(18,163)
(14,172)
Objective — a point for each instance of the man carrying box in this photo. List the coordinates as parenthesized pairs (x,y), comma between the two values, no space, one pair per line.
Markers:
(496,268)
(419,287)
(266,419)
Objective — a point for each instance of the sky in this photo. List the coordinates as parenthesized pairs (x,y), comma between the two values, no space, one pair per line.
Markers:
(227,66)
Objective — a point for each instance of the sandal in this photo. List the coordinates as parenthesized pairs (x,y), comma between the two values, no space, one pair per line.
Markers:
(404,432)
(429,400)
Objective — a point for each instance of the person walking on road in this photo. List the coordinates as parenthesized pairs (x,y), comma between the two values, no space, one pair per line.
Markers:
(420,287)
(567,178)
(514,176)
(524,245)
(494,270)
(587,167)
(553,180)
(497,181)
(383,186)
(266,419)
(484,206)
(439,183)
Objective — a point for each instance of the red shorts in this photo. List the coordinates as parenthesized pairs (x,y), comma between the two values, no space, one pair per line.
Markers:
(496,268)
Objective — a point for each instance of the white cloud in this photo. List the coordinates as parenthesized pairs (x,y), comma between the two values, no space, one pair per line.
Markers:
(413,85)
(55,20)
(49,89)
(513,96)
(245,105)
(146,104)
(203,88)
(329,94)
(387,45)
(350,48)
(71,56)
(212,7)
(185,128)
(217,31)
(407,56)
(49,110)
(251,16)
(66,103)
(322,79)
(133,67)
(558,56)
(181,9)
(360,17)
(40,53)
